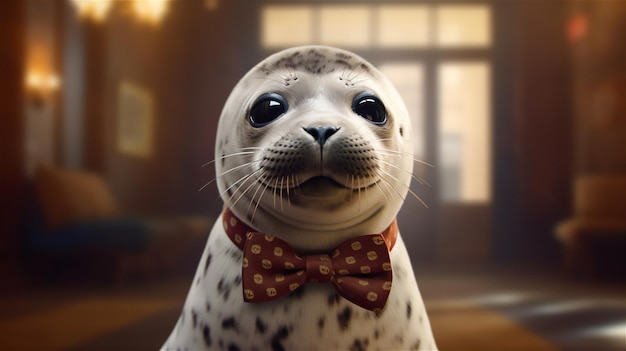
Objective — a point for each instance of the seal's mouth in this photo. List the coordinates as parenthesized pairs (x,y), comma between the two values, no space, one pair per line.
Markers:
(321,186)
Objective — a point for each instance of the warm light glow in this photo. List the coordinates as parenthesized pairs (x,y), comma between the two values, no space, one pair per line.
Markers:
(40,87)
(577,27)
(96,10)
(211,4)
(34,80)
(42,83)
(151,11)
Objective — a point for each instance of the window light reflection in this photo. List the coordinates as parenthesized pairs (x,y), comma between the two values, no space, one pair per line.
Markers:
(403,26)
(463,26)
(464,131)
(503,299)
(613,331)
(377,25)
(284,26)
(345,25)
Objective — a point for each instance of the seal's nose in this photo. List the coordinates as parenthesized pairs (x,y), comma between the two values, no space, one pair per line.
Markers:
(321,134)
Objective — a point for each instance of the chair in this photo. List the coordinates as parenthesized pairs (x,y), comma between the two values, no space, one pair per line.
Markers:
(594,238)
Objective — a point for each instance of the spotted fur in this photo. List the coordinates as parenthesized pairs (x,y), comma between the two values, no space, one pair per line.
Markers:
(269,177)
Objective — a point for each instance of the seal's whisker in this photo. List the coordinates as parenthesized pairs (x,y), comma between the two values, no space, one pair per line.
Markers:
(259,186)
(226,173)
(407,186)
(282,183)
(395,153)
(229,200)
(392,177)
(417,178)
(245,190)
(279,190)
(351,185)
(367,199)
(206,184)
(358,184)
(289,189)
(227,156)
(236,168)
(357,74)
(290,72)
(288,195)
(382,192)
(258,202)
(275,190)
(243,179)
(390,189)
(362,80)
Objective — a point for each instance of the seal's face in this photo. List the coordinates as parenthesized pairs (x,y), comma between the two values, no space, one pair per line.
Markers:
(314,139)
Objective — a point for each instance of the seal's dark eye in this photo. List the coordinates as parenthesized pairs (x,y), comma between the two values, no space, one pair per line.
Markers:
(370,107)
(267,108)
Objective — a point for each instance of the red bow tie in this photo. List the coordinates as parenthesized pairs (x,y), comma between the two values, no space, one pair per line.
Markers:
(359,268)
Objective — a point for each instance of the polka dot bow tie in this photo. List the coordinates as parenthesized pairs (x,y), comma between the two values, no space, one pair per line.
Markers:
(359,268)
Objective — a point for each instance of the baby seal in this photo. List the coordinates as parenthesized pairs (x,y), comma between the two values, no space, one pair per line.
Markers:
(313,161)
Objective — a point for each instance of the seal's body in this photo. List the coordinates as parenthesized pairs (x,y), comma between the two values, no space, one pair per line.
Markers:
(313,147)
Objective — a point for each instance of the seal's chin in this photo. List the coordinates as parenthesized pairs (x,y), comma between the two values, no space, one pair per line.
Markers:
(321,187)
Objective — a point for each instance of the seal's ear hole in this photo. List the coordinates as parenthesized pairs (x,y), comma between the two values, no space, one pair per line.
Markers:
(370,107)
(266,108)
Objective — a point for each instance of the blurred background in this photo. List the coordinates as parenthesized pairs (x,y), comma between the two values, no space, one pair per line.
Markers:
(109,109)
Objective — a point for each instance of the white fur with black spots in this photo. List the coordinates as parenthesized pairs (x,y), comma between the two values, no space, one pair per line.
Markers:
(313,146)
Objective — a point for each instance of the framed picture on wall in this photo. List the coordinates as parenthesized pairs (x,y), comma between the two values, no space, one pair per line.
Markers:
(135,118)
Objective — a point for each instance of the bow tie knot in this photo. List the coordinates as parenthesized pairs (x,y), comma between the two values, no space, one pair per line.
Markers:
(319,269)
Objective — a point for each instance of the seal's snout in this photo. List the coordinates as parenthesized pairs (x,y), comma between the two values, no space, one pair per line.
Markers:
(321,134)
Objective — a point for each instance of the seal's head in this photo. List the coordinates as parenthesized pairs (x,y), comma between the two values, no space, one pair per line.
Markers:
(314,146)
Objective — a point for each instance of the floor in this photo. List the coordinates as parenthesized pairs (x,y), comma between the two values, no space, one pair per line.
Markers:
(565,313)
(471,308)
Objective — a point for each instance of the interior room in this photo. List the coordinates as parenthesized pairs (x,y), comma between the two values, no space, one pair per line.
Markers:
(516,216)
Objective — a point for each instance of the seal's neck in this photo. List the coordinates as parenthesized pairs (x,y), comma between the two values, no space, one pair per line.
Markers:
(237,230)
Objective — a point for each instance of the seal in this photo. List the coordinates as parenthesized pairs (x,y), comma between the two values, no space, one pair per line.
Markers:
(313,149)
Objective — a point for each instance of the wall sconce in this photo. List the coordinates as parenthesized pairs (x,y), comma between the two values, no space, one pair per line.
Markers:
(96,10)
(40,86)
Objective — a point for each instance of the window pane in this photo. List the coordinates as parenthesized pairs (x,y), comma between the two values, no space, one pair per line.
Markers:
(463,26)
(464,131)
(345,25)
(403,26)
(408,78)
(284,26)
